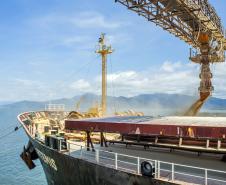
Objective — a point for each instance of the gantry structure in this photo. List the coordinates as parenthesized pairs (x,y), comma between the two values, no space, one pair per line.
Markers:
(193,21)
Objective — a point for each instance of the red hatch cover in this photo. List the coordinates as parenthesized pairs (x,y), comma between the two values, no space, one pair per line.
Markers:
(146,125)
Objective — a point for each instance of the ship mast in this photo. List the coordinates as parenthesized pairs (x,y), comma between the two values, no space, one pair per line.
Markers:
(104,50)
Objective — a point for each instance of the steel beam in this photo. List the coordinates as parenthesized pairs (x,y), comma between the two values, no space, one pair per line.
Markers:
(183,18)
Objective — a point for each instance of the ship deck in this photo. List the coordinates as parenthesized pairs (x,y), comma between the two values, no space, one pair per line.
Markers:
(167,120)
(172,165)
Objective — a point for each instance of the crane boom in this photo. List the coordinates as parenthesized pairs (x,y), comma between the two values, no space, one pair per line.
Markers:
(183,18)
(193,21)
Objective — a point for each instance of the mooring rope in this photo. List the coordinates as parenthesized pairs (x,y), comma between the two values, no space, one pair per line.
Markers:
(9,133)
(7,127)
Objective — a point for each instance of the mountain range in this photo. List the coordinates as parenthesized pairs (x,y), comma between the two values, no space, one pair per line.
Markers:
(150,104)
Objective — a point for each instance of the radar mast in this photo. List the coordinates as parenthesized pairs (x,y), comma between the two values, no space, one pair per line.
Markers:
(104,50)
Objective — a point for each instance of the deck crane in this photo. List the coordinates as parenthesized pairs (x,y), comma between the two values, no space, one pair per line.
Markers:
(195,22)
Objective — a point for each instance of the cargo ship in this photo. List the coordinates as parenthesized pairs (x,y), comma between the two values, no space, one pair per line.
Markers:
(93,148)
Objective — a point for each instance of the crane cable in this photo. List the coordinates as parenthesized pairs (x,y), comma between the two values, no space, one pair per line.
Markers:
(72,75)
(112,86)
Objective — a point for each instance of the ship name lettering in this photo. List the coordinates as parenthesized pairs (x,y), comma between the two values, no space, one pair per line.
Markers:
(48,160)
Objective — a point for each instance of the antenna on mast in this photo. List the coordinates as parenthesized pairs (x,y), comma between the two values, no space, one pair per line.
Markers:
(104,50)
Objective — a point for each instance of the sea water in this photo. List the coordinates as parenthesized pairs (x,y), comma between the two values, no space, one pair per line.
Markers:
(12,169)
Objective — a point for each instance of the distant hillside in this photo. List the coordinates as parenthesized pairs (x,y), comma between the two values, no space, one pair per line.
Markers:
(215,104)
(5,102)
(152,104)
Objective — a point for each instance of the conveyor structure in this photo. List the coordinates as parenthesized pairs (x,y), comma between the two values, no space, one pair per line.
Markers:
(193,21)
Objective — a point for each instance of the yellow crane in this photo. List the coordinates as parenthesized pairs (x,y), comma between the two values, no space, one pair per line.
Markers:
(104,50)
(193,21)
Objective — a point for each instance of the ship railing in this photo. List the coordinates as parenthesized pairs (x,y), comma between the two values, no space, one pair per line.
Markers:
(171,172)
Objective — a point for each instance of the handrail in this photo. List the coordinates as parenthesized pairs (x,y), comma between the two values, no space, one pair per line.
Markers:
(125,164)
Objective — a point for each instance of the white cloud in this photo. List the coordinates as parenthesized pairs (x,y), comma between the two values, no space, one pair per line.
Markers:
(130,83)
(128,75)
(117,38)
(68,41)
(156,82)
(170,67)
(219,82)
(27,82)
(183,79)
(25,89)
(94,20)
(72,30)
(85,19)
(81,85)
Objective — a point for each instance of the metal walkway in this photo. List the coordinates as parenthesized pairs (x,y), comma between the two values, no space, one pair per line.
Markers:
(172,172)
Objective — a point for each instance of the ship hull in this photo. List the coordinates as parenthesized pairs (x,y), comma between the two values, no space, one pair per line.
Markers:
(61,169)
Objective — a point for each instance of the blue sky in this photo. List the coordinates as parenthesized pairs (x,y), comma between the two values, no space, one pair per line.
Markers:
(47,51)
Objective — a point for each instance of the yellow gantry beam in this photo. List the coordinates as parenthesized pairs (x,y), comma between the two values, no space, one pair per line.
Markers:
(185,19)
(224,44)
(193,21)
